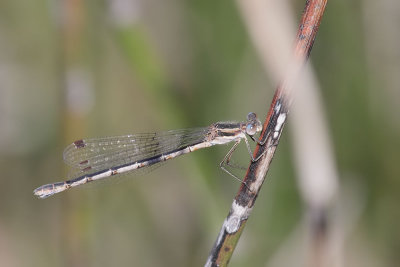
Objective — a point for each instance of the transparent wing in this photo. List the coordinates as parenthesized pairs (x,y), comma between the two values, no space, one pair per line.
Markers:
(91,155)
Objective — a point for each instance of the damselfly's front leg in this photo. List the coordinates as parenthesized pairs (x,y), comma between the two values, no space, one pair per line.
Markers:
(261,143)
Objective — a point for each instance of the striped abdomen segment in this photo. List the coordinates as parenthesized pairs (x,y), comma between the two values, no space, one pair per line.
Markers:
(51,189)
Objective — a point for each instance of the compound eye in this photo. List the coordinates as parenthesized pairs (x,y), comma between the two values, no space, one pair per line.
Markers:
(251,116)
(251,129)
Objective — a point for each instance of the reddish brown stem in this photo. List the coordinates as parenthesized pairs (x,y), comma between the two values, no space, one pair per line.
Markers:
(273,126)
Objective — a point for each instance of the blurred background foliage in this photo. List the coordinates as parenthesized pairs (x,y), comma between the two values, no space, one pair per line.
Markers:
(73,69)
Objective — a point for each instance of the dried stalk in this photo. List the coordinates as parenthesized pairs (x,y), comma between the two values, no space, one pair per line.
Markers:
(269,139)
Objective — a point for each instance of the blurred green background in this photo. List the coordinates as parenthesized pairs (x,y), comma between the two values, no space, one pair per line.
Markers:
(74,69)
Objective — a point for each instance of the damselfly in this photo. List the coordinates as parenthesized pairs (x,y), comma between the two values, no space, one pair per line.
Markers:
(100,158)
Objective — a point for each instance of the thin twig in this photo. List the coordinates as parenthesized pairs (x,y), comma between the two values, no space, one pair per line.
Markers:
(273,126)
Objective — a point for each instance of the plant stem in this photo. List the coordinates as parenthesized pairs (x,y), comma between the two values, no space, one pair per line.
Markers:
(245,198)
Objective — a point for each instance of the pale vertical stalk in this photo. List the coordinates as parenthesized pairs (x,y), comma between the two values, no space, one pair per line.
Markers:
(77,102)
(245,199)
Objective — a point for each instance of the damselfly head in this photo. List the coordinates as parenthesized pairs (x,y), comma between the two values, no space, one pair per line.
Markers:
(253,124)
